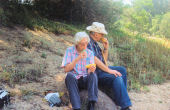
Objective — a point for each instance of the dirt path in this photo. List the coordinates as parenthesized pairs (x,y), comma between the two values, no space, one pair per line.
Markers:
(158,98)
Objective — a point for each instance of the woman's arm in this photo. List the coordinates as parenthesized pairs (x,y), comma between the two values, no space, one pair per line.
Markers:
(71,65)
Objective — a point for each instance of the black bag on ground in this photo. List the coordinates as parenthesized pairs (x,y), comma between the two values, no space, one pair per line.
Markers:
(4,98)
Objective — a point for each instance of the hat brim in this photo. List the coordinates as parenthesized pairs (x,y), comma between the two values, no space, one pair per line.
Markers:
(90,28)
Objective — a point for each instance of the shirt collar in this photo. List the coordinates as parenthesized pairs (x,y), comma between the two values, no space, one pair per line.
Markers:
(91,39)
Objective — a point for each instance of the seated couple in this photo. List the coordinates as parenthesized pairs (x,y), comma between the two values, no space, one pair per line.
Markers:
(87,51)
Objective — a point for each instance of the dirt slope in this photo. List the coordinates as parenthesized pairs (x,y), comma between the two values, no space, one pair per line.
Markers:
(26,49)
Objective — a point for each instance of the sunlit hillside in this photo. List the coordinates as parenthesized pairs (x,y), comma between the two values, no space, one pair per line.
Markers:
(34,37)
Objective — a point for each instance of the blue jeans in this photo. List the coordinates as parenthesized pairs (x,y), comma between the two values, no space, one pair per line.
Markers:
(117,84)
(90,83)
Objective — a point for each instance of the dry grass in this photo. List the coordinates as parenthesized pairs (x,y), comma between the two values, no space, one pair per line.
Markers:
(147,59)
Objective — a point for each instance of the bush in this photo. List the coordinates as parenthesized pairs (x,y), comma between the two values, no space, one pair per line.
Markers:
(16,74)
(2,17)
(27,40)
(44,55)
(14,13)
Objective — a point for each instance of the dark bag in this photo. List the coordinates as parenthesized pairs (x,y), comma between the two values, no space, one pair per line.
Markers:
(4,98)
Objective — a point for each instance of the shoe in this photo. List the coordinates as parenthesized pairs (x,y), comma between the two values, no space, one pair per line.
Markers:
(90,105)
(127,108)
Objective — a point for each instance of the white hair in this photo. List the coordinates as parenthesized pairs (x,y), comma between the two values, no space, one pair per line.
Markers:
(79,36)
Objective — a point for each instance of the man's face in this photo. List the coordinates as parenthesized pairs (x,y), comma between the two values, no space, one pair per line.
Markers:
(82,44)
(98,36)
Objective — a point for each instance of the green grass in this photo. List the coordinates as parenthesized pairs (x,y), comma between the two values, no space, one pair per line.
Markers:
(44,55)
(53,26)
(147,61)
(15,74)
(28,40)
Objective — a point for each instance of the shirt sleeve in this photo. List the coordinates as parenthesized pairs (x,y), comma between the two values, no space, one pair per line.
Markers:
(66,58)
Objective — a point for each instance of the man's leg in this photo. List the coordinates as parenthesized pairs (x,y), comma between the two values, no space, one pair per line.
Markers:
(122,70)
(72,86)
(118,85)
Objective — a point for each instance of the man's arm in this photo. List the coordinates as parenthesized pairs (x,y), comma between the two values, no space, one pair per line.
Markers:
(103,67)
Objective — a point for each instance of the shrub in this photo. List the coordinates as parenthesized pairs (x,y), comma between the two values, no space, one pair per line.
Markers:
(16,74)
(27,40)
(44,55)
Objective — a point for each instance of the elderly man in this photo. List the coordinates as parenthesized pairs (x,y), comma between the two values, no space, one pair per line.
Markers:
(78,77)
(113,77)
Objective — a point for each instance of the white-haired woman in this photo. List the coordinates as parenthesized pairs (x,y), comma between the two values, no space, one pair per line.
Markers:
(78,77)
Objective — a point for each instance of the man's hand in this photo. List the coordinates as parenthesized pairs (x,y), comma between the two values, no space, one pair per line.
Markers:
(116,73)
(91,69)
(105,43)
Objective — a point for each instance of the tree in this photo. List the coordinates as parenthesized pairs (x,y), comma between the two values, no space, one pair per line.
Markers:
(161,6)
(165,25)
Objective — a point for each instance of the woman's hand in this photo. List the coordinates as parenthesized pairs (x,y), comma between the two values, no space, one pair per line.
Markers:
(91,69)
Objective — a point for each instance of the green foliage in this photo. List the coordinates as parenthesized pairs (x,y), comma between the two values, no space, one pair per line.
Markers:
(161,6)
(147,5)
(2,16)
(45,44)
(165,25)
(44,55)
(147,61)
(18,14)
(151,77)
(155,24)
(83,11)
(146,16)
(138,21)
(52,26)
(26,94)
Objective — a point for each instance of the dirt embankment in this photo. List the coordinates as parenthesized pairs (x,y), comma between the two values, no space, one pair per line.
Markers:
(43,51)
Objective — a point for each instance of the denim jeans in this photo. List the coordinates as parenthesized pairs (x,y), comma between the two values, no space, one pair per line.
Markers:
(117,84)
(90,83)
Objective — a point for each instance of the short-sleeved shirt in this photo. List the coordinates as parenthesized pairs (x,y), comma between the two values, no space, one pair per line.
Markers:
(80,69)
(94,47)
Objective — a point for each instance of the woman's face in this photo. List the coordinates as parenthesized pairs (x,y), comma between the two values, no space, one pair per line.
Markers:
(82,44)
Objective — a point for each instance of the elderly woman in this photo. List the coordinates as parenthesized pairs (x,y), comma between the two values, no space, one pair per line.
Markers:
(78,77)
